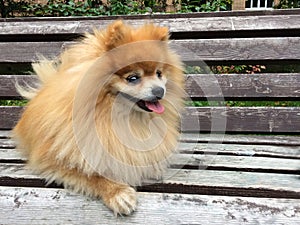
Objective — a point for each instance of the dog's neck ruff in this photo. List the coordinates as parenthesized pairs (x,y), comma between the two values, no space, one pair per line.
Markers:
(137,148)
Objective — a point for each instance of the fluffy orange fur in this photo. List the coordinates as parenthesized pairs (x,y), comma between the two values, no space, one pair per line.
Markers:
(102,165)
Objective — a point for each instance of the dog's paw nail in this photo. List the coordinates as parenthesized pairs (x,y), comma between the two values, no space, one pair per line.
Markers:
(124,201)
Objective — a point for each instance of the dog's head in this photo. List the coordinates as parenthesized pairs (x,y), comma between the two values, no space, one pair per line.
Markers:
(143,81)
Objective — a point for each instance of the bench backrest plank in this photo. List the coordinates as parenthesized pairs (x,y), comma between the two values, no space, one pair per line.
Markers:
(191,51)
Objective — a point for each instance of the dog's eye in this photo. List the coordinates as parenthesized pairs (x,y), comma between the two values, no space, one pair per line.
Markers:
(158,73)
(134,79)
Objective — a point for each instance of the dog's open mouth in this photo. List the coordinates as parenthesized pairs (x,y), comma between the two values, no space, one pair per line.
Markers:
(149,106)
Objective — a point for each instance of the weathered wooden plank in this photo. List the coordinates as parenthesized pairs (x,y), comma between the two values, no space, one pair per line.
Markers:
(213,119)
(241,150)
(7,151)
(238,49)
(7,143)
(29,51)
(8,84)
(10,154)
(52,206)
(243,86)
(4,134)
(241,119)
(243,140)
(282,86)
(238,163)
(277,140)
(192,23)
(9,116)
(234,180)
(189,50)
(212,160)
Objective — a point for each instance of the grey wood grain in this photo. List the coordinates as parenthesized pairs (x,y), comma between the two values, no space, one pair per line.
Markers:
(241,119)
(261,141)
(196,50)
(196,22)
(257,181)
(287,159)
(283,86)
(212,119)
(253,139)
(52,206)
(255,149)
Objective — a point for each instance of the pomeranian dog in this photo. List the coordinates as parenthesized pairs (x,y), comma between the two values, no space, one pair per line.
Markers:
(105,114)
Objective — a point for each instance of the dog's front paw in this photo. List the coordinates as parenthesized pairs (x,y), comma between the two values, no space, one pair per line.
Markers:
(123,202)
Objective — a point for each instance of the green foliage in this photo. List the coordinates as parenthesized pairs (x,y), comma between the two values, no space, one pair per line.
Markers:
(288,4)
(12,8)
(188,6)
(250,69)
(66,8)
(125,7)
(13,102)
(88,8)
(8,8)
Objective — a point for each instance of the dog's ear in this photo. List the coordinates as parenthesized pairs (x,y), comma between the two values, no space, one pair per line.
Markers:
(117,34)
(163,33)
(152,32)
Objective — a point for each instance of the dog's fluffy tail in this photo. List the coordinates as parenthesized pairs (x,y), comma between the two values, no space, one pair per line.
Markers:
(44,69)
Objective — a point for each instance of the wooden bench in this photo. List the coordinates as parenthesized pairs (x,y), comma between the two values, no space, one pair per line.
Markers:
(237,165)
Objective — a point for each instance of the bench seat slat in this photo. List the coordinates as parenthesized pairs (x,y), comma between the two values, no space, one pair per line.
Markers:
(279,86)
(224,150)
(192,23)
(213,119)
(18,174)
(284,48)
(241,149)
(260,141)
(215,159)
(275,140)
(157,208)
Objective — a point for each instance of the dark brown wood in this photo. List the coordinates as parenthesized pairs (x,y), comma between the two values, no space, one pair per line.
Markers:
(222,21)
(214,119)
(190,50)
(206,86)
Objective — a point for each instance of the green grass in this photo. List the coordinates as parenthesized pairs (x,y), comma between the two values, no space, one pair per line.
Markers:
(13,102)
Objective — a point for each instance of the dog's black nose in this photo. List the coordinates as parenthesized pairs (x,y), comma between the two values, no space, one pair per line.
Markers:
(158,92)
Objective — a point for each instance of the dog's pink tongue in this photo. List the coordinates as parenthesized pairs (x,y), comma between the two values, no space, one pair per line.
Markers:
(155,107)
